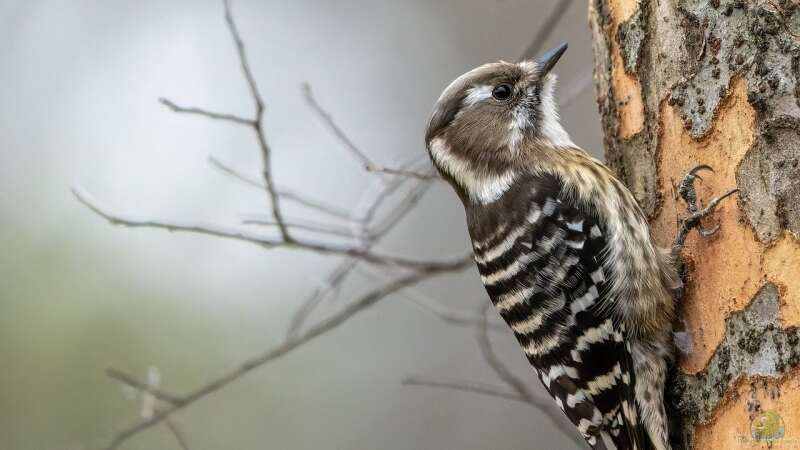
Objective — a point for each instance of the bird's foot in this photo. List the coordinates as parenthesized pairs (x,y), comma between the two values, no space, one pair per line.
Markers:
(687,192)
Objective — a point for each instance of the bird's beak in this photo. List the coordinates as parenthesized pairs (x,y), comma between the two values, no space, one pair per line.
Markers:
(549,59)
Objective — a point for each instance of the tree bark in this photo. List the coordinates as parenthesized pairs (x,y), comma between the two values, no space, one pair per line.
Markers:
(687,82)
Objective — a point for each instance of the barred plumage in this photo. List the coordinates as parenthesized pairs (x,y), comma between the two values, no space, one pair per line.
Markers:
(543,271)
(563,250)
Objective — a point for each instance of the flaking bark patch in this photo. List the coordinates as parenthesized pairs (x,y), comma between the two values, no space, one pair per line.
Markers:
(737,37)
(753,365)
(729,268)
(769,178)
(611,82)
(627,89)
(631,39)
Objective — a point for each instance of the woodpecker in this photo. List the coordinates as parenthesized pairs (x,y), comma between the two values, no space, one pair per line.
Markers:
(563,250)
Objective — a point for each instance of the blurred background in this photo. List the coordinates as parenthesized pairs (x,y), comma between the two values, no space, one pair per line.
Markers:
(79,86)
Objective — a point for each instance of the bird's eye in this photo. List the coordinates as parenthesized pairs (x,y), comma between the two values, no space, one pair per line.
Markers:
(502,92)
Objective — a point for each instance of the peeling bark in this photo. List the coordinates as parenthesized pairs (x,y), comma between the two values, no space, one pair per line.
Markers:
(684,82)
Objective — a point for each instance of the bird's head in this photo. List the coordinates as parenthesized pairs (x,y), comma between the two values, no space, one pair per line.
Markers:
(491,119)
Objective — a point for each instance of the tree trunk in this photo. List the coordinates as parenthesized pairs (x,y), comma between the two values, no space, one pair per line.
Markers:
(687,82)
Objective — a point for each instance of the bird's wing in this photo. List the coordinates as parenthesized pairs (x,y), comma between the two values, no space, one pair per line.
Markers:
(550,285)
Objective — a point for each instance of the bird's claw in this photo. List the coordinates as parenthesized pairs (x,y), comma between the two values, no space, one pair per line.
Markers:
(687,192)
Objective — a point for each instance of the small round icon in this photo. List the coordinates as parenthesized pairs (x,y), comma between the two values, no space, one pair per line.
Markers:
(767,426)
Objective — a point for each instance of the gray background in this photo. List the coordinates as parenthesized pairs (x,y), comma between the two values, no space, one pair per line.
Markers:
(79,83)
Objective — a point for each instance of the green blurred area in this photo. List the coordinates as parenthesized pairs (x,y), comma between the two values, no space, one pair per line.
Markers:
(65,319)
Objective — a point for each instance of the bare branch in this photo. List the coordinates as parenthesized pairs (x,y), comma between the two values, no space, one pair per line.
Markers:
(283,192)
(151,388)
(363,159)
(129,380)
(326,289)
(403,207)
(305,225)
(130,221)
(487,351)
(177,433)
(550,23)
(543,404)
(237,174)
(465,386)
(448,315)
(258,124)
(206,113)
(264,241)
(243,61)
(315,204)
(287,346)
(327,119)
(520,391)
(334,280)
(404,173)
(368,210)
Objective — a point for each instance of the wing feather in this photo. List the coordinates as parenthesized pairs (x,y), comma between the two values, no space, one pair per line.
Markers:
(546,276)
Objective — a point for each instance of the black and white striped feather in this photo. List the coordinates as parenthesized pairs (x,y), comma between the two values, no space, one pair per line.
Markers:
(540,255)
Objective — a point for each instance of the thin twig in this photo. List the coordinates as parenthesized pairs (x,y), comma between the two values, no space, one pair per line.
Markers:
(520,391)
(315,204)
(305,225)
(258,123)
(204,112)
(369,210)
(543,404)
(243,60)
(114,218)
(263,241)
(129,380)
(548,410)
(362,158)
(465,386)
(283,192)
(176,432)
(487,351)
(287,346)
(403,207)
(327,119)
(237,174)
(337,277)
(448,315)
(404,173)
(334,280)
(549,25)
(153,390)
(326,289)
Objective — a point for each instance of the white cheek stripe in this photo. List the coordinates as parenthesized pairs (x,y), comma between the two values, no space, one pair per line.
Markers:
(481,188)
